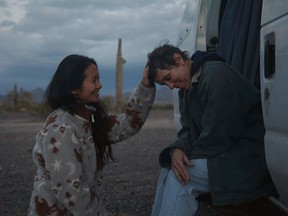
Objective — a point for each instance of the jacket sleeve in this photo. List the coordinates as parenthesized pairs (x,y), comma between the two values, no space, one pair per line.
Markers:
(129,123)
(64,164)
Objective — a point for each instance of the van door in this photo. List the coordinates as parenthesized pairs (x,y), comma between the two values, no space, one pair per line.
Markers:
(274,91)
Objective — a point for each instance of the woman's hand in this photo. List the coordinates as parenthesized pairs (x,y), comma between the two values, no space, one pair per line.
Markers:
(179,160)
(145,81)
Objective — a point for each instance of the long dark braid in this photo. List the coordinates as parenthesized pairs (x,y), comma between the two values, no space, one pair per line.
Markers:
(99,122)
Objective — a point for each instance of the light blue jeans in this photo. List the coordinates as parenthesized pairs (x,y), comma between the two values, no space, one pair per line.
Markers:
(174,199)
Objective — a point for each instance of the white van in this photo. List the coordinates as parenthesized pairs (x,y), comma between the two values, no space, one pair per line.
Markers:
(253,38)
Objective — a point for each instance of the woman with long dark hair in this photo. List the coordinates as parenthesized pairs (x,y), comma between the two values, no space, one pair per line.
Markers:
(74,144)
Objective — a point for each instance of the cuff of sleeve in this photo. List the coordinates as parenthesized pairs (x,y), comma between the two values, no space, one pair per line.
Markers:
(165,158)
(148,93)
(146,87)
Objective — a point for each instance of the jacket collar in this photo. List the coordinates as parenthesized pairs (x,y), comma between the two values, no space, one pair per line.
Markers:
(194,78)
(198,59)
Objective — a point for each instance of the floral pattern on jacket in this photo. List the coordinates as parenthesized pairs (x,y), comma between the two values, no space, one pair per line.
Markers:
(67,181)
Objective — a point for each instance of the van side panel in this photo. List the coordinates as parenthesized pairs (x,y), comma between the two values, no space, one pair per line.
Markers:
(274,93)
(273,9)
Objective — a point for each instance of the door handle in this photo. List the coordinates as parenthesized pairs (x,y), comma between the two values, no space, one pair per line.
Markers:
(269,55)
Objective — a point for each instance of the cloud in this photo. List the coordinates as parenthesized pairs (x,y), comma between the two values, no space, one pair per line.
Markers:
(36,35)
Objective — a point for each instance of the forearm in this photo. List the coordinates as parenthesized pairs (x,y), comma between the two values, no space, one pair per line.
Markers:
(137,110)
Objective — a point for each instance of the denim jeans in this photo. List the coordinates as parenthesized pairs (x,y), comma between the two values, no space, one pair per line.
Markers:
(175,199)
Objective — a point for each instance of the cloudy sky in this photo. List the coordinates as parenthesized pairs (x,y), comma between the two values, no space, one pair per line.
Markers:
(36,35)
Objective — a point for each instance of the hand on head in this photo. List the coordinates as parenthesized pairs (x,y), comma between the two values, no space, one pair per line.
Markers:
(145,81)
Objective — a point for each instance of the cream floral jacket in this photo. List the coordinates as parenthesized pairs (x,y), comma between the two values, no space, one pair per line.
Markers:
(67,181)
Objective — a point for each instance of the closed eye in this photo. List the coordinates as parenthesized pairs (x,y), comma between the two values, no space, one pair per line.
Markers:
(167,78)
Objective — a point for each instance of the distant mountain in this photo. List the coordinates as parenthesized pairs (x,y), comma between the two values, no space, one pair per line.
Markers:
(37,95)
(164,95)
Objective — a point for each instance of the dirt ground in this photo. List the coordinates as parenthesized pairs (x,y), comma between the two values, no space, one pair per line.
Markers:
(129,183)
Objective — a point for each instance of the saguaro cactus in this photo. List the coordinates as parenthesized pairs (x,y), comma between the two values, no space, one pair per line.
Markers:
(119,77)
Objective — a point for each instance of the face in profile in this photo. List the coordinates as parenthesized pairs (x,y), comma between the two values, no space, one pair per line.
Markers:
(175,77)
(89,90)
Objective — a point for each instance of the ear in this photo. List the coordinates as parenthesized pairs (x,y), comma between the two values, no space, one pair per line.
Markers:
(178,59)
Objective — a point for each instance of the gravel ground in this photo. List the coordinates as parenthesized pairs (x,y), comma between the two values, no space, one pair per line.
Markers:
(129,183)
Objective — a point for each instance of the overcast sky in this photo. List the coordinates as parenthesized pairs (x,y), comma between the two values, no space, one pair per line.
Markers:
(36,35)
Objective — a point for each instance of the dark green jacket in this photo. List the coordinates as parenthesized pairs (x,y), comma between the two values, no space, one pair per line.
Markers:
(222,121)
